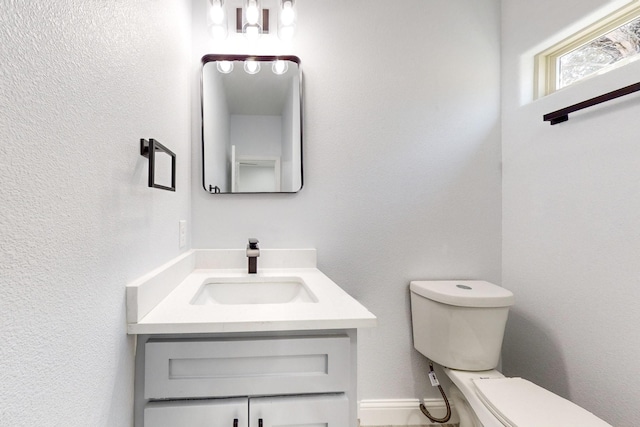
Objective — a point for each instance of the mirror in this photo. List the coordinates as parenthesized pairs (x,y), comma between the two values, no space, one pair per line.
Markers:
(251,124)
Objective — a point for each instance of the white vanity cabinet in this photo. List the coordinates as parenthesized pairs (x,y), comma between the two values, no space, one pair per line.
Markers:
(283,362)
(268,380)
(313,410)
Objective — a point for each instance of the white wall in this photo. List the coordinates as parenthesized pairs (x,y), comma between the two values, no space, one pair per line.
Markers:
(401,162)
(80,83)
(256,136)
(571,224)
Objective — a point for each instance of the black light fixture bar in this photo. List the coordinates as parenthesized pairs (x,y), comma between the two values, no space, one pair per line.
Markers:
(562,115)
(264,27)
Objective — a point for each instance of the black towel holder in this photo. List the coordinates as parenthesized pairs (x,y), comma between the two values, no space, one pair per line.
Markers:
(148,149)
(562,115)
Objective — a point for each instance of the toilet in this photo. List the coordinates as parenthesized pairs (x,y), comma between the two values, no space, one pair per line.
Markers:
(459,324)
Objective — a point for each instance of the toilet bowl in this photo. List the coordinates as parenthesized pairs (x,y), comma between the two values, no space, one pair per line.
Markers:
(460,326)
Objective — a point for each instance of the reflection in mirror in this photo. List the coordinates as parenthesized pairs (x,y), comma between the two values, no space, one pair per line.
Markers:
(251,124)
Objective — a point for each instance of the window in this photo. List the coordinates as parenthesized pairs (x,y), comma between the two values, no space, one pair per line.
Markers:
(611,42)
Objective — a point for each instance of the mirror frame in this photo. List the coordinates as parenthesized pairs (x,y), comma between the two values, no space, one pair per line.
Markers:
(264,58)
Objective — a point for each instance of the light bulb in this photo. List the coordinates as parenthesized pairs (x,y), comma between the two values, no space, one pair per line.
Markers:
(287,15)
(218,32)
(286,32)
(217,13)
(280,66)
(251,66)
(252,13)
(224,67)
(252,32)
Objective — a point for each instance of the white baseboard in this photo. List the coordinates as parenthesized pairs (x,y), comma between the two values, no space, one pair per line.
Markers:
(400,412)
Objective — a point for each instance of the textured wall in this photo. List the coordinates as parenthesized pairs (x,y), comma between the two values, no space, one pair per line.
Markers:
(571,227)
(402,162)
(80,83)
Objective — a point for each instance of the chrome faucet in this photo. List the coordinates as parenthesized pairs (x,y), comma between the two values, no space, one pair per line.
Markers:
(253,252)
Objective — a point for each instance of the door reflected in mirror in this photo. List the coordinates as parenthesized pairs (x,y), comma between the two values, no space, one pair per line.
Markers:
(251,124)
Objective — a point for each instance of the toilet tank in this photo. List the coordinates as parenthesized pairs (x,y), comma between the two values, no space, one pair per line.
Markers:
(459,323)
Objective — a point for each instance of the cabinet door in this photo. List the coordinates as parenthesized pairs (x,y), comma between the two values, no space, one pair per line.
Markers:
(299,411)
(203,413)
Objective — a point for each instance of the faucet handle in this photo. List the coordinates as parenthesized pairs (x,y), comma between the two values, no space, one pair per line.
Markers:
(253,243)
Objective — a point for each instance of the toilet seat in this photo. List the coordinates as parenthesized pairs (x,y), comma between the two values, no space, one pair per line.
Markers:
(517,402)
(485,391)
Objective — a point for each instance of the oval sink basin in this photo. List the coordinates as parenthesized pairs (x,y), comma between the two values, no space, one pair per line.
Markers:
(253,290)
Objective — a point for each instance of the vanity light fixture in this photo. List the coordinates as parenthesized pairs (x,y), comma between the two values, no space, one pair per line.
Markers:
(218,32)
(216,13)
(252,19)
(250,23)
(225,67)
(252,31)
(252,11)
(279,66)
(287,14)
(218,17)
(286,20)
(251,66)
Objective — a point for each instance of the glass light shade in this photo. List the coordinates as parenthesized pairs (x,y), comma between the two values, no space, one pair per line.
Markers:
(251,66)
(287,14)
(279,67)
(252,12)
(217,13)
(286,32)
(218,31)
(224,67)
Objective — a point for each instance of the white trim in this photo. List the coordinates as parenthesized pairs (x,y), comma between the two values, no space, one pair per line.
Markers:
(546,61)
(400,412)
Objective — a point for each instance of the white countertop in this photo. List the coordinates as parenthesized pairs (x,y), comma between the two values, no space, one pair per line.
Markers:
(174,313)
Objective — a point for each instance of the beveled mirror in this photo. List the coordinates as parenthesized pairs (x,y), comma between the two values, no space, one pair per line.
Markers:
(251,124)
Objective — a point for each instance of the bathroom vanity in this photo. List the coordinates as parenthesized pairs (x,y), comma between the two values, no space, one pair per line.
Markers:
(219,347)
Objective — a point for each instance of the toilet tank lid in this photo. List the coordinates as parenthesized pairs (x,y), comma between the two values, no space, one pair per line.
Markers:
(463,293)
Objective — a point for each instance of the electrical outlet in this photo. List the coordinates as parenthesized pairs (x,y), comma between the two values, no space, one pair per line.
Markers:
(183,233)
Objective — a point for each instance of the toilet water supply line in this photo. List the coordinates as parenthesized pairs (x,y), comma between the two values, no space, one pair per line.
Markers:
(436,383)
